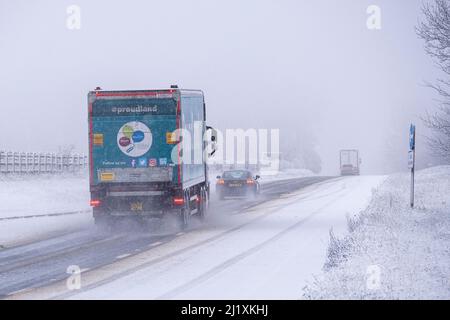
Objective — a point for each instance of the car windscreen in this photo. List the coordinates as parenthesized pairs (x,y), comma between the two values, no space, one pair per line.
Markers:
(239,174)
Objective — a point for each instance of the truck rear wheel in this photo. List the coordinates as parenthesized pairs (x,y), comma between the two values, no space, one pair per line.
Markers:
(203,205)
(184,218)
(185,213)
(100,218)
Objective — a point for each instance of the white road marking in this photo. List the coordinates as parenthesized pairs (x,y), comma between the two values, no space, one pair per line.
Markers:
(285,195)
(123,256)
(154,244)
(20,291)
(179,234)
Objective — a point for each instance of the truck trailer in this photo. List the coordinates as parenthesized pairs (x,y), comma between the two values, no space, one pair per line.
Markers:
(349,162)
(147,154)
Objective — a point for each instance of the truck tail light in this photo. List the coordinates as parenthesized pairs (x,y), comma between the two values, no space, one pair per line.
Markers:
(178,201)
(220,181)
(171,138)
(250,181)
(96,203)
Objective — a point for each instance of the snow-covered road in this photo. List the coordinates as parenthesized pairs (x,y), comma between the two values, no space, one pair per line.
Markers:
(265,250)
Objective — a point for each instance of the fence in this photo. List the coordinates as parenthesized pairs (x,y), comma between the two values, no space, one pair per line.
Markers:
(27,162)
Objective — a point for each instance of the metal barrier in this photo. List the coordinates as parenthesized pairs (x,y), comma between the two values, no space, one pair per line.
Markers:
(28,162)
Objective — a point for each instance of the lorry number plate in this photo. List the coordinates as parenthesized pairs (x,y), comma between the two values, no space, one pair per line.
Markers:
(136,206)
(107,176)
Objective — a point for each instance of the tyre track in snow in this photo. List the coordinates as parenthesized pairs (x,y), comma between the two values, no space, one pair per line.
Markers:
(241,256)
(52,268)
(11,264)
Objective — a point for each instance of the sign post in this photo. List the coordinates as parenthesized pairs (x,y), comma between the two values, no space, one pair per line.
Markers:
(412,159)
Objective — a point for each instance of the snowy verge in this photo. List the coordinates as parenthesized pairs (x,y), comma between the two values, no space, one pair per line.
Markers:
(393,251)
(40,195)
(31,195)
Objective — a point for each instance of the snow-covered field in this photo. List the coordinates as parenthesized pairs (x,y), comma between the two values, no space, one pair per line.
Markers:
(393,251)
(33,195)
(39,195)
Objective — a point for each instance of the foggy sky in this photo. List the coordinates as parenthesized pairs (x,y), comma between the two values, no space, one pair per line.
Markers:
(295,65)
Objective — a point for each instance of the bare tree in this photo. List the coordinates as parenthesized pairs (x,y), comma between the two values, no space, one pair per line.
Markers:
(434,29)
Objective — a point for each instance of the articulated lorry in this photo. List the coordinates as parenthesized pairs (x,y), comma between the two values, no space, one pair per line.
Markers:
(349,162)
(148,154)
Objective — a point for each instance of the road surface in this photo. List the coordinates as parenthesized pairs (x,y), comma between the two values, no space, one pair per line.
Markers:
(266,247)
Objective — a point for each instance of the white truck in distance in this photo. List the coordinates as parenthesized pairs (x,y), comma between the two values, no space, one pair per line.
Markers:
(349,162)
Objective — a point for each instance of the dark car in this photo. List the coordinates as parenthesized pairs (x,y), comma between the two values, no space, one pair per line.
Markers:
(237,183)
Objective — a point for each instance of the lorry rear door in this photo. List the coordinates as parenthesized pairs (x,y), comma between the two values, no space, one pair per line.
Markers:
(131,139)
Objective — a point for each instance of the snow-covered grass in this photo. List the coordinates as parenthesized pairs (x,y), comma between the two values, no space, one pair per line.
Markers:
(42,194)
(393,251)
(27,195)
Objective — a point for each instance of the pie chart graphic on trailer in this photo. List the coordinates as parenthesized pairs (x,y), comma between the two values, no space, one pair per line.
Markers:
(134,139)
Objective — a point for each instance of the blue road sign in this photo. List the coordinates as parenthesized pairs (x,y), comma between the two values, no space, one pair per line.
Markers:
(412,137)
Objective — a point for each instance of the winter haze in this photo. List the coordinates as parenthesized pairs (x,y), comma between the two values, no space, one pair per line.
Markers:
(311,68)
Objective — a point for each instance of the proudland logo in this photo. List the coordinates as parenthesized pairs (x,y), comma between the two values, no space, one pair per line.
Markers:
(135,109)
(134,139)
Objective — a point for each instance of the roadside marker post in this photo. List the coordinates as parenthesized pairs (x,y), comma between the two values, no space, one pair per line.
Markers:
(412,159)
